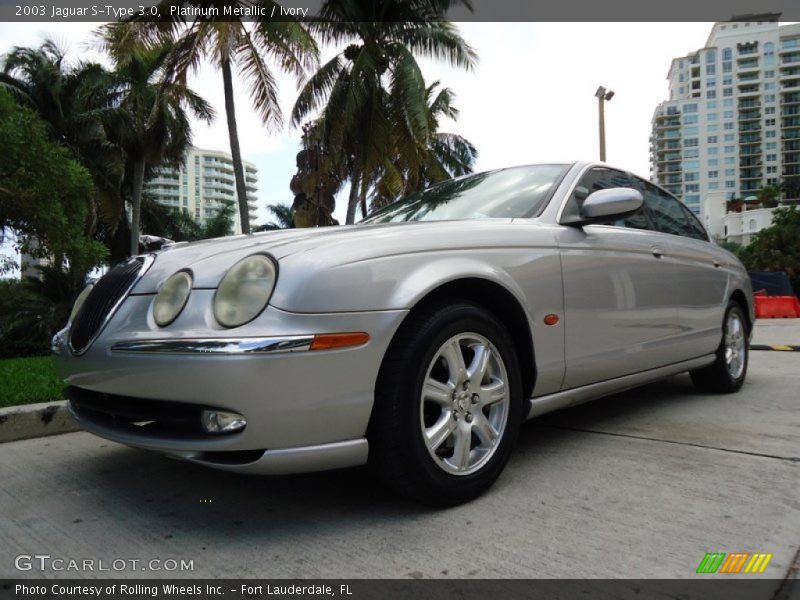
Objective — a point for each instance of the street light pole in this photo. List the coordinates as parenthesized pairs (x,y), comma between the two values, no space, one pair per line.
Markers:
(602,95)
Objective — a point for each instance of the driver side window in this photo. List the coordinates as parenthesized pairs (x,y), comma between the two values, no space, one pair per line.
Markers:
(601,179)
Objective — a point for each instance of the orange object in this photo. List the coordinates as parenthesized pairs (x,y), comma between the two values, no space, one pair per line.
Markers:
(777,307)
(550,319)
(331,341)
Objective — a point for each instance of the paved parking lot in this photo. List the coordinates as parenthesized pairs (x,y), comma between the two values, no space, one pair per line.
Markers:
(638,485)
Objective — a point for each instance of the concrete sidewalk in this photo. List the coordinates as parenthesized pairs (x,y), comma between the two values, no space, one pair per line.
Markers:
(638,485)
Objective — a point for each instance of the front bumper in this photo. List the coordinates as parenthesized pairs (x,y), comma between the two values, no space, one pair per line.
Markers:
(305,410)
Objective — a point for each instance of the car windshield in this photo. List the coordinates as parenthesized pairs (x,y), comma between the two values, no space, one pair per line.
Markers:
(504,194)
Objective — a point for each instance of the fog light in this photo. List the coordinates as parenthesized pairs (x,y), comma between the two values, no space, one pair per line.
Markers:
(220,421)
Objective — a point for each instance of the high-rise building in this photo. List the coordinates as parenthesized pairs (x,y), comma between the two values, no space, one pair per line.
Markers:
(203,184)
(731,125)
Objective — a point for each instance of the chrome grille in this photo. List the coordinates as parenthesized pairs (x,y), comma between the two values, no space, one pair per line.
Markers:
(102,301)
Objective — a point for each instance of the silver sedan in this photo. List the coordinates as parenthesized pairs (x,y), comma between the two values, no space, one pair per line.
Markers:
(416,341)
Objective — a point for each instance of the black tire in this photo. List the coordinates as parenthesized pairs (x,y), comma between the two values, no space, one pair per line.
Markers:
(398,452)
(717,377)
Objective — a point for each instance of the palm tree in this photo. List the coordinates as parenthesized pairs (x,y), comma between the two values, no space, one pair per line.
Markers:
(229,44)
(148,118)
(284,218)
(355,88)
(69,98)
(425,162)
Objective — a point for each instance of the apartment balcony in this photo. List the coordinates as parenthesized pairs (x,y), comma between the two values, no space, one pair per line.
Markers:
(790,122)
(791,134)
(790,84)
(790,111)
(750,150)
(748,90)
(749,115)
(669,158)
(791,158)
(751,126)
(749,138)
(791,58)
(751,173)
(747,48)
(790,98)
(791,146)
(749,162)
(749,77)
(791,171)
(668,124)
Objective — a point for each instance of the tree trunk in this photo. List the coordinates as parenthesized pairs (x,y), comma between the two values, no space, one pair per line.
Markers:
(236,155)
(352,201)
(136,203)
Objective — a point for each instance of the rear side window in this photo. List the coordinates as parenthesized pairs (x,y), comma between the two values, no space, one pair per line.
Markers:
(669,215)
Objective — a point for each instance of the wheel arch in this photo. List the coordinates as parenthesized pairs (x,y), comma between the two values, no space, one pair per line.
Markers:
(498,300)
(740,297)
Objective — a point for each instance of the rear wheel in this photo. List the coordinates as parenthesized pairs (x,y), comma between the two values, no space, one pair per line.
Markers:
(448,405)
(727,373)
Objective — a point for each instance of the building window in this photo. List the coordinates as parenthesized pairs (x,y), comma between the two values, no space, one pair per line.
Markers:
(712,116)
(693,130)
(711,94)
(691,153)
(713,162)
(769,74)
(727,66)
(769,86)
(772,169)
(728,102)
(690,142)
(691,176)
(769,49)
(727,53)
(713,185)
(730,172)
(713,174)
(752,224)
(729,137)
(711,69)
(691,164)
(727,126)
(690,108)
(769,122)
(711,104)
(730,149)
(769,110)
(772,145)
(772,157)
(693,187)
(770,133)
(713,150)
(728,114)
(727,92)
(730,184)
(769,98)
(689,119)
(730,160)
(712,139)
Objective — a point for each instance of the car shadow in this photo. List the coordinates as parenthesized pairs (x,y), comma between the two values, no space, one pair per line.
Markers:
(173,498)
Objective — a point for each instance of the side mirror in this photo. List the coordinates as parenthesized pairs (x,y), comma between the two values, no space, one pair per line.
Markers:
(613,203)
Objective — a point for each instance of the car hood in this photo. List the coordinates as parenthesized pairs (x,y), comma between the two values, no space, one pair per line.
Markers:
(323,247)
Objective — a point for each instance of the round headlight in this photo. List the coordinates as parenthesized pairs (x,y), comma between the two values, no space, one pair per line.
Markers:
(79,302)
(172,298)
(244,291)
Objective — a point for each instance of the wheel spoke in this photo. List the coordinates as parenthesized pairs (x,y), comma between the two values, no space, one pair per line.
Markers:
(437,434)
(493,392)
(480,362)
(455,361)
(439,392)
(461,450)
(484,430)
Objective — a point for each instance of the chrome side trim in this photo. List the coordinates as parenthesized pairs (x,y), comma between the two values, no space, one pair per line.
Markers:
(566,398)
(255,345)
(303,459)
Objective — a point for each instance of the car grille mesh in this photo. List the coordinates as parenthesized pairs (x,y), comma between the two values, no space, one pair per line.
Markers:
(105,295)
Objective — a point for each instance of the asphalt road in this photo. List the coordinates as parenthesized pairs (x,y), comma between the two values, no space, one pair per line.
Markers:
(638,485)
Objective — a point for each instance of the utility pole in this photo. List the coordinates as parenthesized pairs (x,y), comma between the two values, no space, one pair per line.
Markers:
(602,95)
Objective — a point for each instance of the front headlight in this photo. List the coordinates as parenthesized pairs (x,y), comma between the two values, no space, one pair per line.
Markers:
(244,291)
(171,298)
(79,302)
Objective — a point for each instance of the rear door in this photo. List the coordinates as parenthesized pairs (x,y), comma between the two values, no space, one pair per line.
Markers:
(701,280)
(620,301)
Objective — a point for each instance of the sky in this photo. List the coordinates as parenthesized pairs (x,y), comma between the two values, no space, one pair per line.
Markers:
(530,98)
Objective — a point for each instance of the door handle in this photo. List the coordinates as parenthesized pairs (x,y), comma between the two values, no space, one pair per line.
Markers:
(657,252)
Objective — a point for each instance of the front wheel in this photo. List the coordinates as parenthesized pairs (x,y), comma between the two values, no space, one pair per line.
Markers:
(727,373)
(448,405)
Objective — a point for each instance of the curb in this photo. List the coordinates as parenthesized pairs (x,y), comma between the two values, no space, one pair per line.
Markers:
(777,347)
(35,420)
